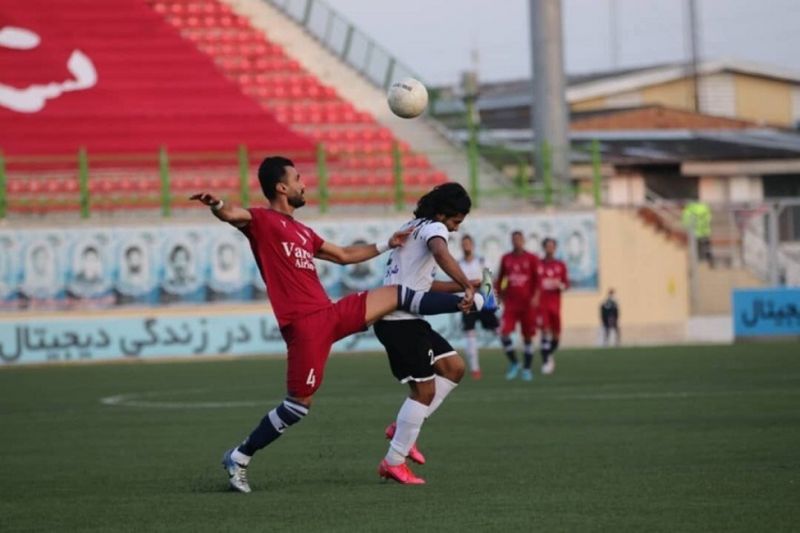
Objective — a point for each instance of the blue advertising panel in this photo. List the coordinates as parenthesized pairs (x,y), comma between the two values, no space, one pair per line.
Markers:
(101,338)
(766,312)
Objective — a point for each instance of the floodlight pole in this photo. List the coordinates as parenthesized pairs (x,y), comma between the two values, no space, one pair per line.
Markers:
(549,108)
(693,24)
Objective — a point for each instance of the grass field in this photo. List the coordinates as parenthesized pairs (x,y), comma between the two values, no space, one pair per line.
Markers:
(665,439)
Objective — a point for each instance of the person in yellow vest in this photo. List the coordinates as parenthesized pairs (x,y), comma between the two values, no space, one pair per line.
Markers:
(697,218)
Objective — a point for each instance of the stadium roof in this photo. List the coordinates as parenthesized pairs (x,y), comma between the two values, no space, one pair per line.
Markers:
(517,93)
(668,146)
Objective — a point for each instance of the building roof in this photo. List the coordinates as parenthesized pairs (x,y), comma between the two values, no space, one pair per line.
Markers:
(518,93)
(667,146)
(651,117)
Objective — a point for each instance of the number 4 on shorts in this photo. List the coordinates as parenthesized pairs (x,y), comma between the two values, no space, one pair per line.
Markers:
(312,378)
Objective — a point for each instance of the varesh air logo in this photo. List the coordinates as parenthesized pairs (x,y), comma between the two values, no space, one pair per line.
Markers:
(302,257)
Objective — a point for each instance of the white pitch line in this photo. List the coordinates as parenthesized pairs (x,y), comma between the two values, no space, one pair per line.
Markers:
(135,400)
(140,399)
(669,395)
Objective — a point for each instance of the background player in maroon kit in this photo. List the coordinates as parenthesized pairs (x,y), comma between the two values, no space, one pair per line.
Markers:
(310,323)
(518,284)
(553,280)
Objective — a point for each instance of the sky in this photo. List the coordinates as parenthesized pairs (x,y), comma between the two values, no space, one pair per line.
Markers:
(435,37)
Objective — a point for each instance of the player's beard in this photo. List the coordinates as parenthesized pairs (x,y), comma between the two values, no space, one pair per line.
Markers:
(297,201)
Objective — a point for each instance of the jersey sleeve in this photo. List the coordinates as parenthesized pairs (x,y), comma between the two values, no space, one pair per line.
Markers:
(435,229)
(316,240)
(254,228)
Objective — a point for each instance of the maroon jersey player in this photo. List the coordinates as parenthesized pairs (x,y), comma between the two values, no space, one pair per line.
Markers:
(518,284)
(553,280)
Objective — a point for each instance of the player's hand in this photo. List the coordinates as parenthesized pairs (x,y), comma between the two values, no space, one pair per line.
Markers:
(466,302)
(399,238)
(205,198)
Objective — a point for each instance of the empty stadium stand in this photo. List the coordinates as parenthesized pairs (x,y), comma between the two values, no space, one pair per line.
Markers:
(359,148)
(123,80)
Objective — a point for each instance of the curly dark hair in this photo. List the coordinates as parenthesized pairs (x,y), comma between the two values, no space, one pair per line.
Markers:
(448,199)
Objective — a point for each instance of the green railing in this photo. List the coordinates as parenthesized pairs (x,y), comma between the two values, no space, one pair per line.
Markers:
(85,182)
(345,40)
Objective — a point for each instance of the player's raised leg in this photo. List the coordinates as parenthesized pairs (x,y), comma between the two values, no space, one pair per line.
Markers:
(384,300)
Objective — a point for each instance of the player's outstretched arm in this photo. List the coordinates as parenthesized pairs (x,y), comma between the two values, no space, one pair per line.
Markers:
(448,263)
(234,215)
(347,255)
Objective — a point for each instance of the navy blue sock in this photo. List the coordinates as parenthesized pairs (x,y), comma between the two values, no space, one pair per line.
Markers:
(508,348)
(547,349)
(528,355)
(426,303)
(553,346)
(273,425)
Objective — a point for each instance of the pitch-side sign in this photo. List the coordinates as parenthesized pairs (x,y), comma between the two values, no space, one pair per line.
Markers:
(766,312)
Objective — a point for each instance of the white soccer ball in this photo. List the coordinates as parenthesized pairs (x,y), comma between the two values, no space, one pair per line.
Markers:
(407,98)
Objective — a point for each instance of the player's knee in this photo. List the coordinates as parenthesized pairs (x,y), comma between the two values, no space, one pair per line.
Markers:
(451,368)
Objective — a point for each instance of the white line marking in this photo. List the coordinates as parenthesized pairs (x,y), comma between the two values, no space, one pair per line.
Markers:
(139,400)
(143,399)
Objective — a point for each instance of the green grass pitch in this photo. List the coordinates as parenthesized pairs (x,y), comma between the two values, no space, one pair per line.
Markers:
(657,439)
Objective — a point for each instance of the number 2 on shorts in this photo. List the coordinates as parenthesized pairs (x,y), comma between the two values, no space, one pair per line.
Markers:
(311,380)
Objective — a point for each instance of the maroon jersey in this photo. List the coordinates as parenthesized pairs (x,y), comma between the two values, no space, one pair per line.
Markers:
(553,279)
(518,278)
(284,250)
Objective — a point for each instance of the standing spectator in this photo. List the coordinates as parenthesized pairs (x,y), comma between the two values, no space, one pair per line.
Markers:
(518,283)
(696,218)
(609,316)
(473,265)
(554,280)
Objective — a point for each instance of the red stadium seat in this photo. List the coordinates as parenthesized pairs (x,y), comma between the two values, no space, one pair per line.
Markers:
(261,68)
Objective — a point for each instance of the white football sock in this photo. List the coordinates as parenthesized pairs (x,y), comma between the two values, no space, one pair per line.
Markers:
(240,458)
(443,387)
(472,351)
(409,423)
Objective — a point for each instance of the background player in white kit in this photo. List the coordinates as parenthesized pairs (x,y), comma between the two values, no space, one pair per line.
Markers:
(418,355)
(474,267)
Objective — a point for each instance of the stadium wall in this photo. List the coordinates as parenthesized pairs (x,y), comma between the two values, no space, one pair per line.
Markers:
(607,248)
(649,275)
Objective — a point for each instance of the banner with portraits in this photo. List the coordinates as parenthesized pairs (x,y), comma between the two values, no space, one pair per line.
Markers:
(155,265)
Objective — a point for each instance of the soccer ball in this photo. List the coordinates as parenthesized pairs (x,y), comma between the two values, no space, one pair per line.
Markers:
(407,98)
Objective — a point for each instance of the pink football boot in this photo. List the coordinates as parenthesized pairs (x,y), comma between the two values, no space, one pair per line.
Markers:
(414,454)
(400,473)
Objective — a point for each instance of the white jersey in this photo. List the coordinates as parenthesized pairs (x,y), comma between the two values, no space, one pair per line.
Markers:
(413,264)
(474,268)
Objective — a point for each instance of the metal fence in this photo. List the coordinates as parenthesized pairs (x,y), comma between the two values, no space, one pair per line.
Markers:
(87,183)
(761,238)
(346,41)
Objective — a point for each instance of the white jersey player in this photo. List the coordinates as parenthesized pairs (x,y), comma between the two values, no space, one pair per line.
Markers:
(473,267)
(418,355)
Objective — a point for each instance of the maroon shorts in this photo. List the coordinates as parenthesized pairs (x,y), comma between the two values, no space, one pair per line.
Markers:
(551,319)
(523,314)
(309,340)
